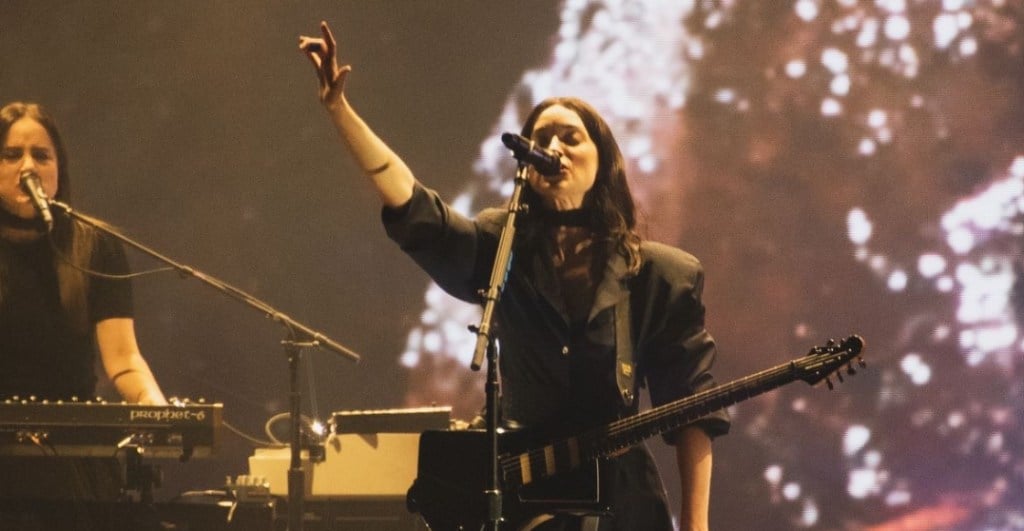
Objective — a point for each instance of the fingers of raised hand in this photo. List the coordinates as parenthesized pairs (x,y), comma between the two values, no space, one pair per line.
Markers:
(340,73)
(328,37)
(311,44)
(314,50)
(322,52)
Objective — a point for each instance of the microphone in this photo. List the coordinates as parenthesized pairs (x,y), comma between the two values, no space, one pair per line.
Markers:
(527,151)
(30,184)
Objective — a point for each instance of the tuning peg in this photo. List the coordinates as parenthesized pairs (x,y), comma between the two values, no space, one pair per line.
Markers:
(850,370)
(839,375)
(828,382)
(861,362)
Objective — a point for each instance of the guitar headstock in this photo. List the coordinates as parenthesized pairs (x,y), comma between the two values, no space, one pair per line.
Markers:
(823,361)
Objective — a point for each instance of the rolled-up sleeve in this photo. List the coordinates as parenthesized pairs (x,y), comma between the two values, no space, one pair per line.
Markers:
(678,353)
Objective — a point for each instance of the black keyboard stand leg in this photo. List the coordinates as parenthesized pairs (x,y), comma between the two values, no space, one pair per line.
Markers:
(140,478)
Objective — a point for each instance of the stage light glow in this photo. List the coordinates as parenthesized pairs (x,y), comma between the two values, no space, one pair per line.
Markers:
(855,439)
(810,514)
(796,68)
(892,6)
(897,280)
(897,497)
(914,366)
(946,29)
(868,35)
(835,60)
(831,107)
(897,27)
(867,147)
(840,85)
(862,482)
(930,265)
(858,226)
(807,10)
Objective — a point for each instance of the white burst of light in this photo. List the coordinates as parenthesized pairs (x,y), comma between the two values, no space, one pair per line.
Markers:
(796,68)
(855,438)
(858,226)
(931,264)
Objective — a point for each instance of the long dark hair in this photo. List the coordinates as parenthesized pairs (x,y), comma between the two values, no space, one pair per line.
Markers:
(73,240)
(609,201)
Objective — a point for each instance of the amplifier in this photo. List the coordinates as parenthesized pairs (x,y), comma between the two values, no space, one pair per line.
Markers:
(408,420)
(368,455)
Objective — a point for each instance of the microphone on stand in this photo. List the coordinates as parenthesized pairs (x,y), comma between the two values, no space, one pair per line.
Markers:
(527,151)
(30,184)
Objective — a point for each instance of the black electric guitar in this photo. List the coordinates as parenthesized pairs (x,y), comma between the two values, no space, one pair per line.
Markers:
(559,474)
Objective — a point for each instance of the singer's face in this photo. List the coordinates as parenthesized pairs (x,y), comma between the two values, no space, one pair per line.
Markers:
(561,130)
(27,147)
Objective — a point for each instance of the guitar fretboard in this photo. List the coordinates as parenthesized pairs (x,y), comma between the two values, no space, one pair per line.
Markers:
(568,453)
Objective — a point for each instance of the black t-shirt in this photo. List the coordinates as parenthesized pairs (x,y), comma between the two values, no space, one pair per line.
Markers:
(41,353)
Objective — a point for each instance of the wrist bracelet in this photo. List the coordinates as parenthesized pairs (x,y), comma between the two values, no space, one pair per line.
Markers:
(122,373)
(379,169)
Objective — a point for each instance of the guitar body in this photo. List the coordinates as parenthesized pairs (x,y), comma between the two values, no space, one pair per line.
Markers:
(452,477)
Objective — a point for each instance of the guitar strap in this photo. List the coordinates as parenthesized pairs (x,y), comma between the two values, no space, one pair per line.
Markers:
(624,364)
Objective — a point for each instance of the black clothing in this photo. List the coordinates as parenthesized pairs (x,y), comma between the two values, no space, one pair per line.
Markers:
(554,370)
(42,354)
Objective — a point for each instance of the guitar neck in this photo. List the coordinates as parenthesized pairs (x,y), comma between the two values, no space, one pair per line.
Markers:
(609,439)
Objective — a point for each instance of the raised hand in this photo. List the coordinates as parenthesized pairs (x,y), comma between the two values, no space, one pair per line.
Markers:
(322,52)
(391,178)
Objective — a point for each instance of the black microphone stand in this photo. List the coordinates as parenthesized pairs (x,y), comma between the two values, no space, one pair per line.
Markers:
(485,344)
(299,336)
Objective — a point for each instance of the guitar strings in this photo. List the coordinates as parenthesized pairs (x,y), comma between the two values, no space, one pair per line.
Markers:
(512,464)
(662,418)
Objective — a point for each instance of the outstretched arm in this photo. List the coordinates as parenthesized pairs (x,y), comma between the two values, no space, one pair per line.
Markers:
(390,176)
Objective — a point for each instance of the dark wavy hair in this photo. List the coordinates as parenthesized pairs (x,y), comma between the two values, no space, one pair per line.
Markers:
(609,202)
(71,239)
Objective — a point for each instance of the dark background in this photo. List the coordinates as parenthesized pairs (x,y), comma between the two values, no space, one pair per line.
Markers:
(195,128)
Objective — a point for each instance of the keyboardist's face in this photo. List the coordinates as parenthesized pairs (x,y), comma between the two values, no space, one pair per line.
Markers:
(27,147)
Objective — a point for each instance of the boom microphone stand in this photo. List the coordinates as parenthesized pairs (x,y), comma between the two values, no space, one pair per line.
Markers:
(299,337)
(486,344)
